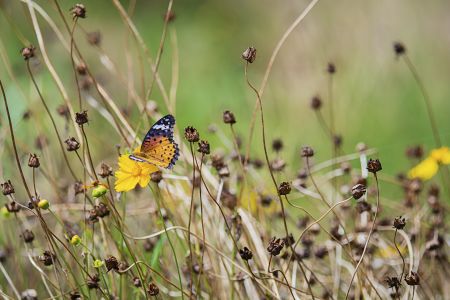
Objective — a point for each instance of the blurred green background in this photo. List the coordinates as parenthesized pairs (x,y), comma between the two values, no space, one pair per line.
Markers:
(376,99)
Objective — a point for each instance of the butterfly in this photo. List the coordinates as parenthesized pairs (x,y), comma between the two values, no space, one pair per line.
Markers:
(158,147)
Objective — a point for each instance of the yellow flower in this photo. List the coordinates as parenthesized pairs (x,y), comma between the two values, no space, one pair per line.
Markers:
(131,173)
(430,165)
(425,169)
(441,155)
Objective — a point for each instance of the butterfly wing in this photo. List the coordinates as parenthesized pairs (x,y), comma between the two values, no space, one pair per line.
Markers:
(158,147)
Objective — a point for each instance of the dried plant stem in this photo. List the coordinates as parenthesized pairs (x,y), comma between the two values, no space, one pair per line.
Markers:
(202,223)
(274,55)
(72,32)
(61,146)
(399,253)
(10,281)
(191,211)
(368,237)
(266,155)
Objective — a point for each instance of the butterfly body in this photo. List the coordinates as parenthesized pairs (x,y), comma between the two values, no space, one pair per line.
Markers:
(158,147)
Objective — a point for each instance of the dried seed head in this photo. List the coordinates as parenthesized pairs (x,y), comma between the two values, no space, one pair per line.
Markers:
(12,207)
(203,147)
(275,246)
(331,68)
(228,117)
(27,52)
(111,263)
(105,170)
(63,111)
(29,294)
(245,253)
(81,117)
(266,200)
(224,172)
(41,142)
(92,282)
(284,188)
(123,266)
(393,282)
(277,145)
(346,167)
(277,165)
(337,140)
(363,206)
(249,54)
(47,258)
(7,188)
(81,69)
(399,48)
(321,252)
(191,134)
(78,11)
(102,210)
(156,176)
(374,165)
(412,278)
(28,236)
(94,38)
(33,161)
(78,187)
(75,295)
(72,144)
(316,103)
(137,282)
(92,216)
(152,289)
(399,223)
(307,152)
(358,191)
(414,152)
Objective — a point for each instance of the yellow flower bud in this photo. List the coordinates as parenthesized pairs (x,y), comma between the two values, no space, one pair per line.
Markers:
(98,263)
(75,240)
(5,212)
(43,204)
(99,191)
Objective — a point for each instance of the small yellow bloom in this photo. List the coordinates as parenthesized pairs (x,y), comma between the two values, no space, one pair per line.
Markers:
(430,165)
(131,173)
(441,155)
(425,169)
(75,240)
(98,263)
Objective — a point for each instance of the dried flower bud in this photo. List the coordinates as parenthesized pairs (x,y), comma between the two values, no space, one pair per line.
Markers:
(275,246)
(78,187)
(228,117)
(7,188)
(266,200)
(399,223)
(105,170)
(331,68)
(102,210)
(93,217)
(92,282)
(249,54)
(399,48)
(81,117)
(28,236)
(191,134)
(321,252)
(277,165)
(156,176)
(223,172)
(153,289)
(203,147)
(33,161)
(137,282)
(47,258)
(81,69)
(277,145)
(123,267)
(94,38)
(63,110)
(307,152)
(12,207)
(29,294)
(374,165)
(78,11)
(412,278)
(284,188)
(72,144)
(27,52)
(111,263)
(337,140)
(41,142)
(75,295)
(245,253)
(316,103)
(358,191)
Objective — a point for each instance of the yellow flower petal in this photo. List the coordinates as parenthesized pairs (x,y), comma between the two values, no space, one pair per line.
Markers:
(441,155)
(127,184)
(425,169)
(144,180)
